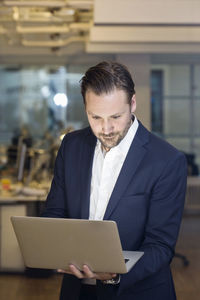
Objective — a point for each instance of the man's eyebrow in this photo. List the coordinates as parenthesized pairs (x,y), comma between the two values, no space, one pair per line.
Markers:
(91,113)
(114,115)
(117,114)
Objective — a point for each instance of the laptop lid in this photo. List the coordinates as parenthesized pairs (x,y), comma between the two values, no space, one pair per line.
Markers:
(54,243)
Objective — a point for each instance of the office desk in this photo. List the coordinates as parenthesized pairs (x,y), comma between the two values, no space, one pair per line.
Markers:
(18,205)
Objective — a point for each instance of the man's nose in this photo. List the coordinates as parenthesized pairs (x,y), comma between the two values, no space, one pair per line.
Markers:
(107,127)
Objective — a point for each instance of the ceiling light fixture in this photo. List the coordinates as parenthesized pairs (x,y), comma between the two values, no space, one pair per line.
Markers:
(43,29)
(35,3)
(81,4)
(58,43)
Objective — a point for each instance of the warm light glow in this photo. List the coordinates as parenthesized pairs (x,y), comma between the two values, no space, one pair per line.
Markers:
(62,136)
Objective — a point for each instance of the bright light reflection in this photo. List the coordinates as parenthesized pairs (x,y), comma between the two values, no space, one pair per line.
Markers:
(60,99)
(62,136)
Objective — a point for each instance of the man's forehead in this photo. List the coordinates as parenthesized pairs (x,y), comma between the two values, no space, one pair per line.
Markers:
(105,93)
(116,97)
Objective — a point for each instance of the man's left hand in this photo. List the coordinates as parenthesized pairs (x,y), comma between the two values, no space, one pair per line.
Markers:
(87,273)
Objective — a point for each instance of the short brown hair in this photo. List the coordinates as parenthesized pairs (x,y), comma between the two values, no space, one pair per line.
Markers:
(105,77)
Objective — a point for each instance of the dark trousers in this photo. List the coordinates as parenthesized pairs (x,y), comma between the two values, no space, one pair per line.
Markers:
(88,292)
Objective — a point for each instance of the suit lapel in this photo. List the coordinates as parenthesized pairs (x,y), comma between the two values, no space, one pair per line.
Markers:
(129,168)
(86,173)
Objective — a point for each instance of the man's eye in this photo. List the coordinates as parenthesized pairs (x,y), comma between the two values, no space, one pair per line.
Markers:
(116,117)
(95,118)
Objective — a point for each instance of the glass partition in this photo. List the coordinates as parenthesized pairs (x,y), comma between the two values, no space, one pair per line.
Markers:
(177,95)
(38,105)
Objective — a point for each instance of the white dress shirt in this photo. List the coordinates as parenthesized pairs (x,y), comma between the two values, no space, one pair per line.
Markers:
(105,171)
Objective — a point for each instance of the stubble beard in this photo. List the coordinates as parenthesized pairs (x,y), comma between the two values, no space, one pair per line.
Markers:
(113,139)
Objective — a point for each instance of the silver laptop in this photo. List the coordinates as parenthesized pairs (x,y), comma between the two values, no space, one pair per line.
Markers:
(54,243)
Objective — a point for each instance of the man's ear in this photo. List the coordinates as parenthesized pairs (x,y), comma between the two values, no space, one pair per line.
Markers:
(133,104)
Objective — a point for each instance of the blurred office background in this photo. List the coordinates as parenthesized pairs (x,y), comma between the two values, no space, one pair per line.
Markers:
(45,48)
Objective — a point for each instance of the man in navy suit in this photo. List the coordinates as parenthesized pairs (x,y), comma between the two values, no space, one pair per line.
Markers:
(117,170)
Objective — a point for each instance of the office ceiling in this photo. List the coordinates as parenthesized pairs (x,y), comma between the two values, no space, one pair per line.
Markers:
(44,27)
(50,31)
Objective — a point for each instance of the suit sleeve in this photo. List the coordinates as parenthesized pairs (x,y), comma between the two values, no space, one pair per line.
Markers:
(162,227)
(55,205)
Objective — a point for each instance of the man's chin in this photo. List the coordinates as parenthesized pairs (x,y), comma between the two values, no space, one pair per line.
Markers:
(108,145)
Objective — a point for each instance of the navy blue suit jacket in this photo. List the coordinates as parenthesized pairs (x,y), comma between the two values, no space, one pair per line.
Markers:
(146,203)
